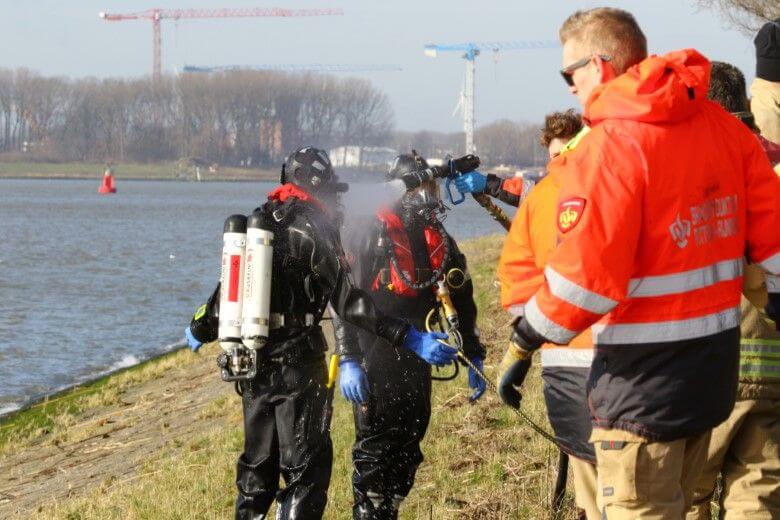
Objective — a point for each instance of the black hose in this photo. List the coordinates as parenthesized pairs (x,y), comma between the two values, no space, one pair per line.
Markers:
(560,483)
(449,377)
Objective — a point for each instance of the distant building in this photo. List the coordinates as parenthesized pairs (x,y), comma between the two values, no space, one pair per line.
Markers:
(362,157)
(533,174)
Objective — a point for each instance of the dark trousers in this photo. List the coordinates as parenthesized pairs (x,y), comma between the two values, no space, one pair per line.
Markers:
(285,433)
(389,429)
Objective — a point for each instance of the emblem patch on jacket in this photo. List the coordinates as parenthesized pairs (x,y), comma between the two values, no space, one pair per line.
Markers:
(569,213)
(680,230)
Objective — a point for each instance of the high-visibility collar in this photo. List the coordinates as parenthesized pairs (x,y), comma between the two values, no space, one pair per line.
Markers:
(574,141)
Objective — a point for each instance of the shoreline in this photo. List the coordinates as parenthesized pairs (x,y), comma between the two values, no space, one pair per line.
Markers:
(88,381)
(169,171)
(121,446)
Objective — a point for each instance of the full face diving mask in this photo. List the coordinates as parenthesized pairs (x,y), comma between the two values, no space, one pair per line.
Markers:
(423,202)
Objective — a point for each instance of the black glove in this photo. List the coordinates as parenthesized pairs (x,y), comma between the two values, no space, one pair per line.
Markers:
(204,325)
(511,374)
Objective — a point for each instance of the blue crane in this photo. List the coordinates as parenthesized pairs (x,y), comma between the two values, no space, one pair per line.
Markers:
(470,52)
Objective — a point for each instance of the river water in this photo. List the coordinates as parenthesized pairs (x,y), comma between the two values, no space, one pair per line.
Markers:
(92,283)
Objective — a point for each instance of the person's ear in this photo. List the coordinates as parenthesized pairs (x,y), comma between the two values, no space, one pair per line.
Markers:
(605,70)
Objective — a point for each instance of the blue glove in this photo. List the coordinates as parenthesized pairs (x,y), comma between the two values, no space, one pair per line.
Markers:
(427,346)
(192,341)
(476,382)
(353,382)
(471,182)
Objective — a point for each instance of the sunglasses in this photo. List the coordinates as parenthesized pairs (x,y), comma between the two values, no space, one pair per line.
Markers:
(568,72)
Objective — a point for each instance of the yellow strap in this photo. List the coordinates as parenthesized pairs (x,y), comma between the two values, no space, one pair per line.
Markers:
(333,370)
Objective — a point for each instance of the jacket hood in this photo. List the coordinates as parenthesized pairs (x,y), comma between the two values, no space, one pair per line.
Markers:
(659,89)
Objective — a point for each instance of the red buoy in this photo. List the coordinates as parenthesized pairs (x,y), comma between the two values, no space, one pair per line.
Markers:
(108,183)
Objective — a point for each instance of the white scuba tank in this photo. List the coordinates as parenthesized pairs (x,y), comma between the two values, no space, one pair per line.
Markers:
(257,283)
(231,298)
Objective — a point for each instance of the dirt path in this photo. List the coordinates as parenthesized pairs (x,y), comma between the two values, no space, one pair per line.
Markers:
(110,444)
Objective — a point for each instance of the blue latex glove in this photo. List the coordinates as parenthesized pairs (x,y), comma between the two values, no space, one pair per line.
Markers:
(192,341)
(427,346)
(471,182)
(476,382)
(353,382)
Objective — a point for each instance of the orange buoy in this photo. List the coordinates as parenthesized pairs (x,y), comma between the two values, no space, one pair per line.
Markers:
(108,183)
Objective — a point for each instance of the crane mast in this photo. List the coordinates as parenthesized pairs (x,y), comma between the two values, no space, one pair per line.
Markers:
(470,52)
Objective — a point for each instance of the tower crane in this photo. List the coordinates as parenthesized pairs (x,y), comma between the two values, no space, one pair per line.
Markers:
(311,67)
(156,16)
(470,52)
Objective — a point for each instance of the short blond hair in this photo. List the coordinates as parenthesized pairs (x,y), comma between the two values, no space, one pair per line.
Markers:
(607,31)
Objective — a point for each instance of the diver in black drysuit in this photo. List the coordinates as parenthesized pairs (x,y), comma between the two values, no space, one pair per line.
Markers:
(391,387)
(286,412)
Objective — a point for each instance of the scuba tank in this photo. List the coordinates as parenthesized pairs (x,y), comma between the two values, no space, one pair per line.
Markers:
(255,325)
(236,362)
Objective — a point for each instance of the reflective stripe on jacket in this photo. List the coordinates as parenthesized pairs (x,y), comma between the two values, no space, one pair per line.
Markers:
(657,208)
(653,238)
(531,239)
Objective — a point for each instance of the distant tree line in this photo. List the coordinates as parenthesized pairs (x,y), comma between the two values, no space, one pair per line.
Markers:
(232,118)
(237,117)
(501,142)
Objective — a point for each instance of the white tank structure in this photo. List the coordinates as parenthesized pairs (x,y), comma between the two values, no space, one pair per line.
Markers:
(231,298)
(255,325)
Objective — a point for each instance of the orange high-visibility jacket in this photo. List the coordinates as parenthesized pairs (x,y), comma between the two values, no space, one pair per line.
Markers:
(657,208)
(529,243)
(527,247)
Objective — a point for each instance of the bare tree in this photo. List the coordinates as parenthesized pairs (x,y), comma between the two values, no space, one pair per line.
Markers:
(507,142)
(237,117)
(747,15)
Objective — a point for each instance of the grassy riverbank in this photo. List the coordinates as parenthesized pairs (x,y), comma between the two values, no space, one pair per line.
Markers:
(160,441)
(152,171)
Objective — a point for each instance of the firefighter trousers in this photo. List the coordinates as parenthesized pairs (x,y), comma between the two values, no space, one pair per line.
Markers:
(639,479)
(745,450)
(285,433)
(584,477)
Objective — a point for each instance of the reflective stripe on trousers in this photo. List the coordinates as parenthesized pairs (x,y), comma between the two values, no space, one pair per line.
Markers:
(759,359)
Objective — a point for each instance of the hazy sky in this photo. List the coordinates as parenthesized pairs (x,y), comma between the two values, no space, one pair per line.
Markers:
(67,38)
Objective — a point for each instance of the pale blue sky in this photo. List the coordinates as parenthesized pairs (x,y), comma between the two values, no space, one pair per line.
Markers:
(67,38)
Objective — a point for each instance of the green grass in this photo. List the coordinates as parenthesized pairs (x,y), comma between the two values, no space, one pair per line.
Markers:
(51,416)
(481,460)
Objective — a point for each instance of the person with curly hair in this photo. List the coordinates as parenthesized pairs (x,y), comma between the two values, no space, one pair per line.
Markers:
(559,129)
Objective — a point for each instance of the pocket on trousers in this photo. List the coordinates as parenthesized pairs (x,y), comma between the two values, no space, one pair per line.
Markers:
(617,466)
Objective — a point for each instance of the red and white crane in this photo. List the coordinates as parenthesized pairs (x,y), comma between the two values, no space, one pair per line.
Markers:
(158,15)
